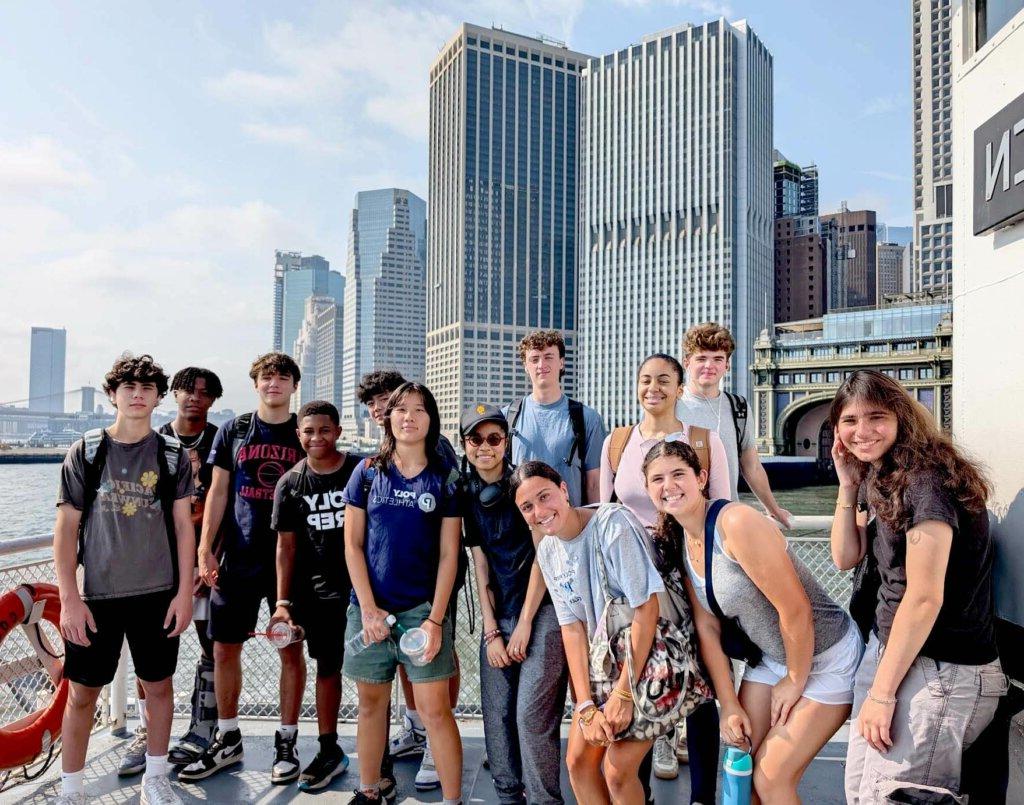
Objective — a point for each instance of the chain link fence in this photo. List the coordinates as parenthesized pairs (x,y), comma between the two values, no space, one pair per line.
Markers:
(260,662)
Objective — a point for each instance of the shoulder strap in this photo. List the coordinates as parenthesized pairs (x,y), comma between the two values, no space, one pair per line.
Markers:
(700,441)
(239,431)
(167,492)
(738,406)
(171,446)
(579,438)
(709,543)
(617,444)
(95,444)
(300,482)
(515,408)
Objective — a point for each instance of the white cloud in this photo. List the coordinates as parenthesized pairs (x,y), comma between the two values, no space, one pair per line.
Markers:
(882,105)
(40,164)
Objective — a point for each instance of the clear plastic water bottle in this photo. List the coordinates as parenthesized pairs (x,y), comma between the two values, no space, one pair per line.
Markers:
(358,643)
(737,775)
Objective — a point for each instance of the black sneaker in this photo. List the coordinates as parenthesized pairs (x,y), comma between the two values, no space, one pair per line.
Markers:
(388,789)
(286,760)
(188,749)
(362,799)
(225,750)
(328,764)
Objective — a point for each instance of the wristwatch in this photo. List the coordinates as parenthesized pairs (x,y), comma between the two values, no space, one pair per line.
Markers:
(283,602)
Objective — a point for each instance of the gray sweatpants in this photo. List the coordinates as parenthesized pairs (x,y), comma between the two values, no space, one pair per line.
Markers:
(941,708)
(522,708)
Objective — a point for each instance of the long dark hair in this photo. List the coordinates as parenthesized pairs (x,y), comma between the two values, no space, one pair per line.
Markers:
(668,535)
(387,446)
(532,469)
(919,447)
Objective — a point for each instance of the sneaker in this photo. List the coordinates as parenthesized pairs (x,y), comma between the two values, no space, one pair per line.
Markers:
(666,766)
(362,798)
(224,751)
(426,777)
(134,760)
(70,799)
(286,760)
(410,741)
(682,750)
(327,765)
(188,749)
(158,791)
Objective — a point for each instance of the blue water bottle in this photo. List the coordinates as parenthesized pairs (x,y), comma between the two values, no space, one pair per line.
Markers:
(737,775)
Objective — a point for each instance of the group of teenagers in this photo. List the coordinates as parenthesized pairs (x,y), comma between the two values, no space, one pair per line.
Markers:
(618,567)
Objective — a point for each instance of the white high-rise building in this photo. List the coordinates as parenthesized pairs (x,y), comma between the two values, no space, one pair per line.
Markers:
(385,296)
(933,146)
(502,260)
(318,352)
(677,204)
(46,369)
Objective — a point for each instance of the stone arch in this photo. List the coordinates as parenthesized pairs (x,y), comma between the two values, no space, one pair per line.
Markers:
(798,425)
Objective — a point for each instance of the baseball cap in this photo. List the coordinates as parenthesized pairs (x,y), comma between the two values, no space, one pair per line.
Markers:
(481,412)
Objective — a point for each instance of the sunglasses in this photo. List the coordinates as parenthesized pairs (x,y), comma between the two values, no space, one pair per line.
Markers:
(678,436)
(493,439)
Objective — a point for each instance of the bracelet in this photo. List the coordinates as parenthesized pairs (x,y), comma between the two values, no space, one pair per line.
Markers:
(431,620)
(876,700)
(490,637)
(584,705)
(588,716)
(283,602)
(625,695)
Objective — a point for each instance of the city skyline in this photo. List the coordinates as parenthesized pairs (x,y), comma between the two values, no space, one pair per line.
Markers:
(125,187)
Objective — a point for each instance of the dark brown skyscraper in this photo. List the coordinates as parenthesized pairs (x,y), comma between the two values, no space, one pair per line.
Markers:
(800,269)
(855,255)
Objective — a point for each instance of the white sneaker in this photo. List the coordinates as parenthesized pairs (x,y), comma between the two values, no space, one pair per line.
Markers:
(70,799)
(409,741)
(158,791)
(666,766)
(426,777)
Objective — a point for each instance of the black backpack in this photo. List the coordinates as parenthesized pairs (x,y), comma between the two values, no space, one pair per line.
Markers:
(738,406)
(95,445)
(579,433)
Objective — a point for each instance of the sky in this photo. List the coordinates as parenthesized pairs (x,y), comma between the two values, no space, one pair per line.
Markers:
(154,155)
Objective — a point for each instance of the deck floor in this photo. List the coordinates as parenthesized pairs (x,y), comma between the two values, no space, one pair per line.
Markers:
(249,782)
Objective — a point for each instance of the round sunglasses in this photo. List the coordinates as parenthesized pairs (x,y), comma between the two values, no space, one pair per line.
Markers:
(493,439)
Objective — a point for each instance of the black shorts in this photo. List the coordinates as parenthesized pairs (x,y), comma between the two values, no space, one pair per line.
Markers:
(324,623)
(140,618)
(235,606)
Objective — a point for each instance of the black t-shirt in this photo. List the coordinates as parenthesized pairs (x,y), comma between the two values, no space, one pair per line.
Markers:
(311,506)
(964,631)
(267,452)
(197,448)
(502,534)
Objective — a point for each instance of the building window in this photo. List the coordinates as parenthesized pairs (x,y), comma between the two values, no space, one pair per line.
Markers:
(927,373)
(817,377)
(834,377)
(906,374)
(927,398)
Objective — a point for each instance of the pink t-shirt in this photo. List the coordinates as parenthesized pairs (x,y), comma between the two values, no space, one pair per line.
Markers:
(629,484)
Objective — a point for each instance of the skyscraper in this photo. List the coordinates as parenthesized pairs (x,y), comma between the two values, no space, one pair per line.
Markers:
(809,190)
(933,146)
(501,239)
(296,278)
(314,353)
(889,261)
(796,188)
(801,269)
(677,203)
(46,369)
(855,273)
(385,294)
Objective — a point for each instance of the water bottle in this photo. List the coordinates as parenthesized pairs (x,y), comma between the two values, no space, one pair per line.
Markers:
(737,775)
(282,634)
(357,643)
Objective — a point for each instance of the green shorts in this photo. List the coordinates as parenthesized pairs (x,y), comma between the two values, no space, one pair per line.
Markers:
(376,664)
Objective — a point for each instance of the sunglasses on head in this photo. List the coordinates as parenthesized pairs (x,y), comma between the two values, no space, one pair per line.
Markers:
(493,439)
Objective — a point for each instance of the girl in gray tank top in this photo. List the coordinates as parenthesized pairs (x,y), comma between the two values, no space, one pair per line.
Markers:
(799,694)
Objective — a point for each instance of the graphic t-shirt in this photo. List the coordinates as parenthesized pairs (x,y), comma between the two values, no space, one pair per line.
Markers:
(502,534)
(197,450)
(312,506)
(571,570)
(544,433)
(403,531)
(127,548)
(267,452)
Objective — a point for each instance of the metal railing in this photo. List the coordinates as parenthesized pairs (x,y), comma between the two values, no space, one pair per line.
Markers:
(808,539)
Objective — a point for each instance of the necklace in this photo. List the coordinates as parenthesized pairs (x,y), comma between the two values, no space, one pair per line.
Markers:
(715,411)
(196,440)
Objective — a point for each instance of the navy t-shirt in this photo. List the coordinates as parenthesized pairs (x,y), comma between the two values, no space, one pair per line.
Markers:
(403,531)
(267,452)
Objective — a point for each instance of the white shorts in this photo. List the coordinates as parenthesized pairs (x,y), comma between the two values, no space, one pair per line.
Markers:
(832,672)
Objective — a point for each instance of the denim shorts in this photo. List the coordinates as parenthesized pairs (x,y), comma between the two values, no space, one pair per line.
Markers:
(376,663)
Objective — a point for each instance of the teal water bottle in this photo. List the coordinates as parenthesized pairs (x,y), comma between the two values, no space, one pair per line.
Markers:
(737,775)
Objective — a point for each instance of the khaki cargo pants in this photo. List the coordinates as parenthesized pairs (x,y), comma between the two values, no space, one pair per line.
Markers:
(941,709)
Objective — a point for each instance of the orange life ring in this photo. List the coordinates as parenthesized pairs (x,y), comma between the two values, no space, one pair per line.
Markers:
(33,735)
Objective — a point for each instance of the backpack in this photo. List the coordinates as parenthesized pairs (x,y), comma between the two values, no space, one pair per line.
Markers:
(579,433)
(95,445)
(242,428)
(698,438)
(738,406)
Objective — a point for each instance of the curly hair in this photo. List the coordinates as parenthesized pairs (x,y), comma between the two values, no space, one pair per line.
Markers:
(383,381)
(138,369)
(668,536)
(542,339)
(275,363)
(919,447)
(389,444)
(708,337)
(320,408)
(185,380)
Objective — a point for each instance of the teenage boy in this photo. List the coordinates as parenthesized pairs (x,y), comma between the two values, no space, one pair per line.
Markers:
(249,456)
(548,426)
(374,391)
(523,673)
(194,390)
(313,587)
(707,350)
(124,514)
